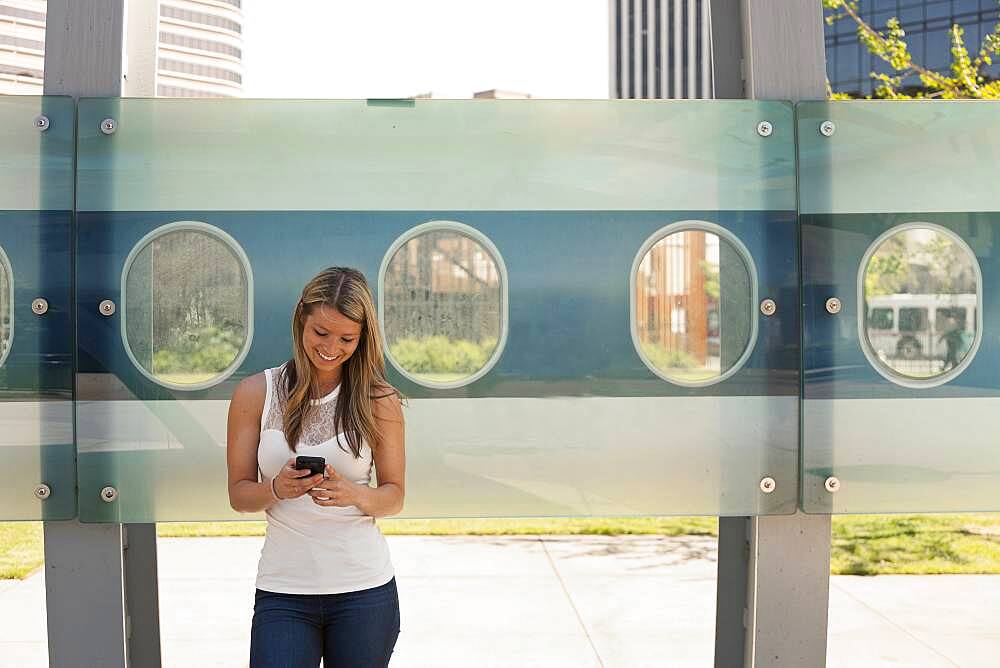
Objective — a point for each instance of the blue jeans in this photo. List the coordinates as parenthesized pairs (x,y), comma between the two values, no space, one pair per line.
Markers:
(356,629)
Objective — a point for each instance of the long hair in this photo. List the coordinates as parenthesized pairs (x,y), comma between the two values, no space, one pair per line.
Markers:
(363,377)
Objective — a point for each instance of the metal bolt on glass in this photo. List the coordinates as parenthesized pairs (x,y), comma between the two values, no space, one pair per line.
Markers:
(827,128)
(833,306)
(42,122)
(43,491)
(109,494)
(40,306)
(109,125)
(768,307)
(107,307)
(764,129)
(767,485)
(832,484)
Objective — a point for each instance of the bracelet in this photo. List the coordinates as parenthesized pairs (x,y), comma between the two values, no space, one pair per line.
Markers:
(274,492)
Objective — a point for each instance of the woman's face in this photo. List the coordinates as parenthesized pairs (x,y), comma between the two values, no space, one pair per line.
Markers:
(329,338)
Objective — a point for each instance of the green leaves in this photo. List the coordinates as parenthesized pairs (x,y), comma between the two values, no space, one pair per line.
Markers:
(207,350)
(966,80)
(667,359)
(441,355)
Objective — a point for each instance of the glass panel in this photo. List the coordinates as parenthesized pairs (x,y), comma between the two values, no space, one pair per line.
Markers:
(37,166)
(927,276)
(687,301)
(544,204)
(36,347)
(901,396)
(838,175)
(336,150)
(187,303)
(443,307)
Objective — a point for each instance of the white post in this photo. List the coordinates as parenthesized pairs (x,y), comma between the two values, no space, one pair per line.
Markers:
(774,572)
(100,579)
(142,21)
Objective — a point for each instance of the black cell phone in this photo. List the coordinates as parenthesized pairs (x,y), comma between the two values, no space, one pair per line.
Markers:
(314,464)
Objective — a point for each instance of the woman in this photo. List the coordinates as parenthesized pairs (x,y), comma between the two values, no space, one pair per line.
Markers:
(325,584)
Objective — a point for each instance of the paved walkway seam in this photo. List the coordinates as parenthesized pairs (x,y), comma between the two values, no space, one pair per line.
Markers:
(569,598)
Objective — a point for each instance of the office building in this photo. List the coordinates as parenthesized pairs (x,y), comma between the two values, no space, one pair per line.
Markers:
(660,49)
(197,47)
(22,46)
(200,48)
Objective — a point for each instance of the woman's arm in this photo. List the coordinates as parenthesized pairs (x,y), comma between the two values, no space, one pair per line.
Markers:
(390,465)
(246,493)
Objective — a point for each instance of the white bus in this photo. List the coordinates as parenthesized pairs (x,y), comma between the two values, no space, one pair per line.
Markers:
(912,327)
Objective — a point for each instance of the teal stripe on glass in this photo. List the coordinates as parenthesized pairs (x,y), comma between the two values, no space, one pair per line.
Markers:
(899,156)
(36,166)
(500,155)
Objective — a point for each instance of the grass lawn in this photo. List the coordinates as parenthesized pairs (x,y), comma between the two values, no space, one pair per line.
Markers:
(862,544)
(915,544)
(20,549)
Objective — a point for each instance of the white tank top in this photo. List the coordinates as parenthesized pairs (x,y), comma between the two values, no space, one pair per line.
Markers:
(311,549)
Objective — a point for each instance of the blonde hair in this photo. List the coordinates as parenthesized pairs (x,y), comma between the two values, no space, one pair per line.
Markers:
(363,378)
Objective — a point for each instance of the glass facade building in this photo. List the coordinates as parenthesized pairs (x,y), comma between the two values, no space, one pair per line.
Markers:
(927,24)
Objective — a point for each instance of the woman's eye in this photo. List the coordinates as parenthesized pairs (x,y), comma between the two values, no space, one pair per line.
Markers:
(319,333)
(347,340)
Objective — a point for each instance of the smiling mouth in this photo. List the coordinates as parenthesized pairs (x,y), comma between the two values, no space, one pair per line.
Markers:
(326,357)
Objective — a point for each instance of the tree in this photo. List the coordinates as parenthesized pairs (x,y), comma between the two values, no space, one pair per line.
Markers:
(949,267)
(887,270)
(916,263)
(711,274)
(967,79)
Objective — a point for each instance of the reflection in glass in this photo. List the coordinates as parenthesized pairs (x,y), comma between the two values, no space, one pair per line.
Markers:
(920,299)
(186,307)
(693,306)
(6,308)
(442,306)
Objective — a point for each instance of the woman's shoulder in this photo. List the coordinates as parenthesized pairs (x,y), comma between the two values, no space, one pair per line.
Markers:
(387,402)
(385,392)
(251,392)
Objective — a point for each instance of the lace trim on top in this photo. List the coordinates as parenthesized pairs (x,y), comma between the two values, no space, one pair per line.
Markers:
(318,425)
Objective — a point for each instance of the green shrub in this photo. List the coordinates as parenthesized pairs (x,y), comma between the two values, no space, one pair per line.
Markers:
(668,359)
(439,354)
(206,350)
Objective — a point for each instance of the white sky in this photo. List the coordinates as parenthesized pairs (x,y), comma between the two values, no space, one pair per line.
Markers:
(400,48)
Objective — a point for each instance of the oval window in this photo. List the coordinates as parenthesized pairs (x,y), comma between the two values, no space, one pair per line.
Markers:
(693,296)
(187,290)
(921,298)
(6,306)
(443,304)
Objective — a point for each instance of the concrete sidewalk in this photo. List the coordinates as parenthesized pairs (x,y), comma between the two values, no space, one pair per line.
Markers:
(544,601)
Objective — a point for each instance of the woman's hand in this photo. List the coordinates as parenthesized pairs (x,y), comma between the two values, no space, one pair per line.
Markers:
(336,490)
(291,483)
